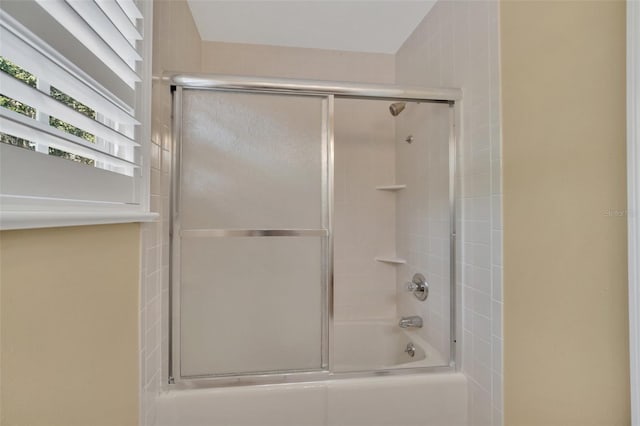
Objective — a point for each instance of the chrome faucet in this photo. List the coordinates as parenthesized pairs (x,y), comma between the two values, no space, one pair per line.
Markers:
(410,349)
(410,322)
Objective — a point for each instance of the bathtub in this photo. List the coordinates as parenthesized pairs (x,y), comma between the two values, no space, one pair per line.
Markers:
(430,399)
(380,345)
(422,399)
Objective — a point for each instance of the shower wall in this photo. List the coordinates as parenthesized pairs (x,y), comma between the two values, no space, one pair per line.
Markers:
(457,45)
(423,217)
(296,62)
(364,289)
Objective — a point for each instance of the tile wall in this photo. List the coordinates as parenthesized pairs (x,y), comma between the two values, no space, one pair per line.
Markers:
(457,45)
(423,218)
(176,46)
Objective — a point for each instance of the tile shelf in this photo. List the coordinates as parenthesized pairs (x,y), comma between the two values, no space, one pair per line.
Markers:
(392,260)
(391,187)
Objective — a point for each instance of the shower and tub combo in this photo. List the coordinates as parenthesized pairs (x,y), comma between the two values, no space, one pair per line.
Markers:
(313,236)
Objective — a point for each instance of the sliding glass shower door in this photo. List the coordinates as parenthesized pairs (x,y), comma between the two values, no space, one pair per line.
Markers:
(250,234)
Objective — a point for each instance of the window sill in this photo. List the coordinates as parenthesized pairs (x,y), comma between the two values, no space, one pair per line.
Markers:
(47,219)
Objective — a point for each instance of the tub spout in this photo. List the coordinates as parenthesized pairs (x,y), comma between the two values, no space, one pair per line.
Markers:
(410,322)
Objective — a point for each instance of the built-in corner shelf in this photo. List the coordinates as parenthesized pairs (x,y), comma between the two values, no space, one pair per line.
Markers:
(392,260)
(391,187)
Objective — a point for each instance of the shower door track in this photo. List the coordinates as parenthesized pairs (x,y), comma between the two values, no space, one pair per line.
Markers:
(330,90)
(314,87)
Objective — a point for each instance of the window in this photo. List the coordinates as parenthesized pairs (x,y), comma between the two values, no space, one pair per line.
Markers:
(74,112)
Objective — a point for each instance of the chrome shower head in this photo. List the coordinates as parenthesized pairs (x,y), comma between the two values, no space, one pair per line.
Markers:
(396,109)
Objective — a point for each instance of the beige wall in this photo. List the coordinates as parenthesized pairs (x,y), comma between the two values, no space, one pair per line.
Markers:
(565,279)
(69,316)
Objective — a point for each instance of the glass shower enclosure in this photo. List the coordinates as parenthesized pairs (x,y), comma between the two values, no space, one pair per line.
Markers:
(312,230)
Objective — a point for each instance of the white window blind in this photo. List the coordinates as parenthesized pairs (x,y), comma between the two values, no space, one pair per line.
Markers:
(74,122)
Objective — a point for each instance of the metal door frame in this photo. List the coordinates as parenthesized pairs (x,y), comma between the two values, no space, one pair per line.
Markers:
(329,91)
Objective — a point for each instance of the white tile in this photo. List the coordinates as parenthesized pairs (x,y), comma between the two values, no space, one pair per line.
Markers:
(166,161)
(479,162)
(166,137)
(497,418)
(496,147)
(480,414)
(152,311)
(152,286)
(155,205)
(148,396)
(482,208)
(482,327)
(496,178)
(482,303)
(482,352)
(496,391)
(481,136)
(152,365)
(469,299)
(496,319)
(482,255)
(468,253)
(155,159)
(165,249)
(478,231)
(467,352)
(153,257)
(496,283)
(482,279)
(152,337)
(156,188)
(496,247)
(482,375)
(143,328)
(164,282)
(496,354)
(165,182)
(496,211)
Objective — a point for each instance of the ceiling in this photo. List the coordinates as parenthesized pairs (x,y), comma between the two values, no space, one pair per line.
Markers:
(362,26)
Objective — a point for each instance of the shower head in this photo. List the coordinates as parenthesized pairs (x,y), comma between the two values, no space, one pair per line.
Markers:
(396,109)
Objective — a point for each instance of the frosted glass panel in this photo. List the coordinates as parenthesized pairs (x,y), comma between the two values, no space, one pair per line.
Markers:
(424,219)
(250,305)
(410,225)
(251,160)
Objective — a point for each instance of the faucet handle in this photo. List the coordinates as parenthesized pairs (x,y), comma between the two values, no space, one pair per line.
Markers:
(419,287)
(411,286)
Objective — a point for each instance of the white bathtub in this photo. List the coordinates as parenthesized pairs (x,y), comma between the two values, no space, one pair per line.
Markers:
(379,345)
(425,399)
(431,399)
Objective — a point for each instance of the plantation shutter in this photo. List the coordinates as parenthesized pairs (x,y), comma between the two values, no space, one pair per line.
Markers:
(73,85)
